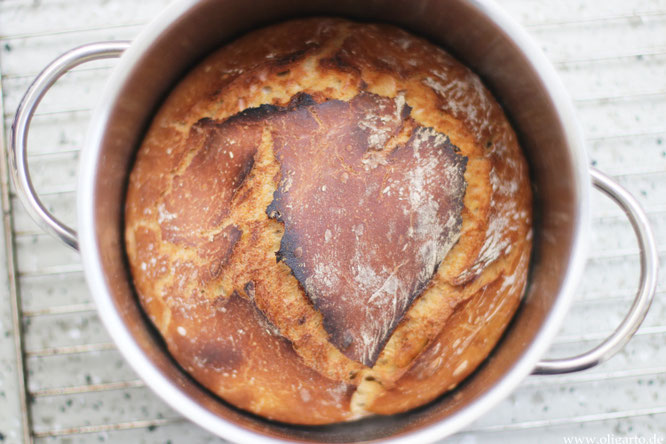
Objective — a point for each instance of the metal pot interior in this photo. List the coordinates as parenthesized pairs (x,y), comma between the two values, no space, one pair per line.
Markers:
(478,35)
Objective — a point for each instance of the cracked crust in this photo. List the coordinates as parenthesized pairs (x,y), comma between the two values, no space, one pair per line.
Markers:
(202,248)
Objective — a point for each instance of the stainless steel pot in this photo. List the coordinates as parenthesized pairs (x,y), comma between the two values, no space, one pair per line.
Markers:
(479,34)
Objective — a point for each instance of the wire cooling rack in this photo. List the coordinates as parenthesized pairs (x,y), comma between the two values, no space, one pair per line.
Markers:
(61,378)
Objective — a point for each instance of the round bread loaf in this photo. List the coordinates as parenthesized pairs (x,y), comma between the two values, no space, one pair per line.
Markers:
(328,220)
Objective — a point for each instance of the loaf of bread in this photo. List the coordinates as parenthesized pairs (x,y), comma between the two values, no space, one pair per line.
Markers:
(328,220)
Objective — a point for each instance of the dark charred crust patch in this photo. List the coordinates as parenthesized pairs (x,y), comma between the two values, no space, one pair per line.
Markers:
(406,111)
(203,123)
(249,290)
(338,62)
(292,57)
(301,100)
(288,246)
(272,211)
(253,115)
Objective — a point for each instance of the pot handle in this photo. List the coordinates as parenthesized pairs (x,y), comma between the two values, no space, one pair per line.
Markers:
(19,133)
(646,288)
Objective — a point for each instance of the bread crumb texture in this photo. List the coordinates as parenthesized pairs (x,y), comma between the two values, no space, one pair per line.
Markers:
(328,220)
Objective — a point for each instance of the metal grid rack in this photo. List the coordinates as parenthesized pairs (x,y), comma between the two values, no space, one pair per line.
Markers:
(73,385)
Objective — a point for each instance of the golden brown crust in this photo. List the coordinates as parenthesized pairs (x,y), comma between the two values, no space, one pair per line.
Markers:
(202,249)
(229,347)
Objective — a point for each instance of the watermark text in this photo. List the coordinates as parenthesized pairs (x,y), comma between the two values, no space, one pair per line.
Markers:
(613,439)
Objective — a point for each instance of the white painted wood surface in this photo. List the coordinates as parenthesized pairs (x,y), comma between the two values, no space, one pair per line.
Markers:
(611,56)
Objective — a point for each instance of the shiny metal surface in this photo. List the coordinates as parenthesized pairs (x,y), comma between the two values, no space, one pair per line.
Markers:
(478,33)
(18,143)
(647,285)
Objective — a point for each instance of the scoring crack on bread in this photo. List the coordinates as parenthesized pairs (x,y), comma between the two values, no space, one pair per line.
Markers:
(237,319)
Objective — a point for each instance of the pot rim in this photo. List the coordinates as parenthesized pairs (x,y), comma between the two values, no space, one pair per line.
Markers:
(169,391)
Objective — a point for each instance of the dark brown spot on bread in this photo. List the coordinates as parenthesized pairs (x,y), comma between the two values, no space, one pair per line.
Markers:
(337,62)
(221,355)
(291,57)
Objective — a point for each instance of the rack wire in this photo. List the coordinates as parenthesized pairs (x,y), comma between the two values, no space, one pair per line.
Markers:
(74,385)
